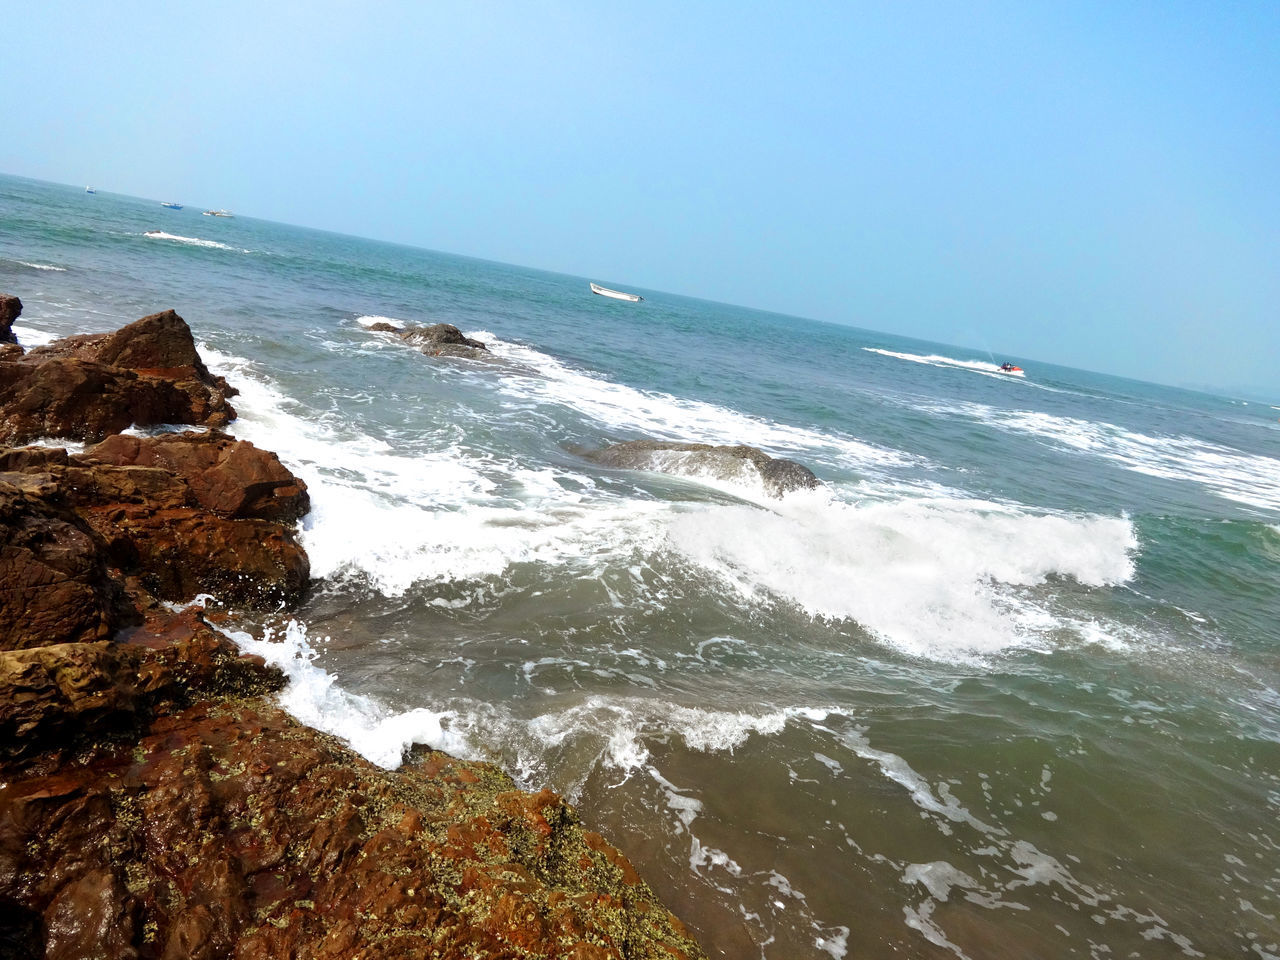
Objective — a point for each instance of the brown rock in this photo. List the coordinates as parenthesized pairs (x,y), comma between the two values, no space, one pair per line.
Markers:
(86,387)
(242,834)
(207,518)
(232,478)
(444,340)
(54,582)
(10,310)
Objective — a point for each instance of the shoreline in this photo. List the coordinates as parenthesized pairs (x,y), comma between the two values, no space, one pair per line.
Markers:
(154,801)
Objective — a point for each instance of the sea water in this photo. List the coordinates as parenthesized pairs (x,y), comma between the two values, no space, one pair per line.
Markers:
(1005,686)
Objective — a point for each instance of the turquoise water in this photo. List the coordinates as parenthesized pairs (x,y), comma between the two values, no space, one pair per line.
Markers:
(1006,687)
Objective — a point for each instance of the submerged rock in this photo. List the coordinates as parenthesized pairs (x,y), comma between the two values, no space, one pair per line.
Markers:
(778,476)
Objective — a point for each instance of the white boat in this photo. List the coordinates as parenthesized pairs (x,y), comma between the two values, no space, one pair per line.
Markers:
(90,190)
(170,204)
(615,294)
(217,213)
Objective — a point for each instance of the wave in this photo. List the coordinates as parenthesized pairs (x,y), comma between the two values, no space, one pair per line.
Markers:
(191,241)
(1250,479)
(936,360)
(37,266)
(622,409)
(939,577)
(944,579)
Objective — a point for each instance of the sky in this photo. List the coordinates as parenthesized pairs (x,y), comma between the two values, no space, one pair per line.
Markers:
(1090,184)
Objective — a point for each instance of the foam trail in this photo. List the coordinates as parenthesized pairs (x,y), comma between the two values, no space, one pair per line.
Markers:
(937,360)
(189,241)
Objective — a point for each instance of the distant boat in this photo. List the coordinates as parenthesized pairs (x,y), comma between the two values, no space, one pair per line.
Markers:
(217,213)
(90,190)
(1009,368)
(170,204)
(615,294)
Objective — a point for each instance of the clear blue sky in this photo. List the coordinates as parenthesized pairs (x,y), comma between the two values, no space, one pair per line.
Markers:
(1094,184)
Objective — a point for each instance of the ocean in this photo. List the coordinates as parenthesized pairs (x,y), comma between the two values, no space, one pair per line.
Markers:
(1005,686)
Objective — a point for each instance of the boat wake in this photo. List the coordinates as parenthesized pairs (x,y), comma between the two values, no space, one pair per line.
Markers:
(936,360)
(190,241)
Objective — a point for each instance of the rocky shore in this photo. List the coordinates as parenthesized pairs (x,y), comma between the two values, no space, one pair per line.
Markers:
(154,801)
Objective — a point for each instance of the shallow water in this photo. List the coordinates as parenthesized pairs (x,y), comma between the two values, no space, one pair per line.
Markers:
(1007,686)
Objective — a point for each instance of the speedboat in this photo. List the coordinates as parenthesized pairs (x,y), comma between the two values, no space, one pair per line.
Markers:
(1010,368)
(615,294)
(170,204)
(90,190)
(217,213)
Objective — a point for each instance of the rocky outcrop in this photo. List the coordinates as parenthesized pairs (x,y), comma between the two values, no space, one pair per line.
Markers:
(437,340)
(55,585)
(226,829)
(87,387)
(183,513)
(232,478)
(10,310)
(734,463)
(155,804)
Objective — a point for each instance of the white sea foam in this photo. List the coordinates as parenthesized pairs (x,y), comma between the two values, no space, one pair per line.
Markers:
(935,578)
(31,337)
(937,360)
(190,241)
(369,321)
(438,516)
(1246,478)
(663,416)
(313,697)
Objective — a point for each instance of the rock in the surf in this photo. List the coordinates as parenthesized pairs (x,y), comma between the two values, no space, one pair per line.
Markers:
(437,340)
(778,476)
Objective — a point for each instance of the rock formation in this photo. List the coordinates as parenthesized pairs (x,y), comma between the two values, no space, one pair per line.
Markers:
(154,803)
(87,387)
(437,340)
(778,476)
(10,310)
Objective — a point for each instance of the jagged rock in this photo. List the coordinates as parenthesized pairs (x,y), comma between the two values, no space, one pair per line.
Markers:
(86,387)
(10,310)
(229,830)
(54,698)
(233,478)
(779,476)
(212,519)
(54,582)
(438,340)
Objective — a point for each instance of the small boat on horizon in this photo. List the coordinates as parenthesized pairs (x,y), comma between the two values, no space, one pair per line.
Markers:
(90,190)
(217,213)
(615,294)
(170,204)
